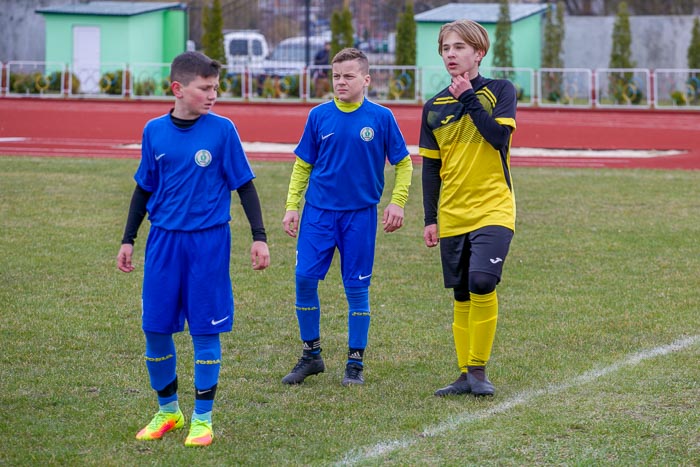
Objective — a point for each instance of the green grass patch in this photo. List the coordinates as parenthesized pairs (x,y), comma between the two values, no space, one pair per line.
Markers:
(604,265)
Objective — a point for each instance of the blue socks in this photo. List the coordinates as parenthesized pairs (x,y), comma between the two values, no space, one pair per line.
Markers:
(161,364)
(207,363)
(358,316)
(308,308)
(161,360)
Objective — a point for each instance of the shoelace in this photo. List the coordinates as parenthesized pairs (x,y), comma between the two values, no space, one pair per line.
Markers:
(353,371)
(199,427)
(301,363)
(160,419)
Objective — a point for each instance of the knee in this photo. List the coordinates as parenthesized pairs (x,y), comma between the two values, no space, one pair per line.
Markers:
(304,282)
(461,294)
(482,283)
(306,289)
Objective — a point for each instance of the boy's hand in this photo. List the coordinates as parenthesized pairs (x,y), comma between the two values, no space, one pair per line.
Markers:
(124,257)
(430,235)
(291,223)
(393,218)
(259,255)
(460,84)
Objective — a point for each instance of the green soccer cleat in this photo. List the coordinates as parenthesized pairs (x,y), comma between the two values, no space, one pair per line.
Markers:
(162,423)
(201,433)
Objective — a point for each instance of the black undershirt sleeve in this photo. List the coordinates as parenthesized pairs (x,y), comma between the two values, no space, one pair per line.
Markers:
(251,206)
(431,189)
(137,212)
(496,134)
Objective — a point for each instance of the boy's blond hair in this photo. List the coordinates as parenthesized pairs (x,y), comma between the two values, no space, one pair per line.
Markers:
(470,31)
(351,53)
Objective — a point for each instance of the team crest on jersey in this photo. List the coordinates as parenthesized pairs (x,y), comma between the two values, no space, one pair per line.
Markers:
(367,134)
(202,158)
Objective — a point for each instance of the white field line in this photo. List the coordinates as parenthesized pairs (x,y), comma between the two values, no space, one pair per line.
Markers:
(515,152)
(281,148)
(458,421)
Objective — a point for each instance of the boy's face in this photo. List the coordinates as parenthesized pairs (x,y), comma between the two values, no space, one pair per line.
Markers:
(458,56)
(349,81)
(196,98)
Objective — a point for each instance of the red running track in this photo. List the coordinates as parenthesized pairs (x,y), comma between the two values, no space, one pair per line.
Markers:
(106,128)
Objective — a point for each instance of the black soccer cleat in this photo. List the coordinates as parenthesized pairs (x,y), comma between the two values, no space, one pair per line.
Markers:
(306,366)
(479,383)
(353,374)
(460,386)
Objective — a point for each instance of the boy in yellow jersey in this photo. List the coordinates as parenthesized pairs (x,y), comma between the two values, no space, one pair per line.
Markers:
(341,157)
(465,142)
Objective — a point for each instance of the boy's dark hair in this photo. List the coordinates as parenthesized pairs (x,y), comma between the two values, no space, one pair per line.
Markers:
(189,65)
(351,53)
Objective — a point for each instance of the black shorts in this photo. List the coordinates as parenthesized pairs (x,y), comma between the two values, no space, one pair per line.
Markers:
(483,250)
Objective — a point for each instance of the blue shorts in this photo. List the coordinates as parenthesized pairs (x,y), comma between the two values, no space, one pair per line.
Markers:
(354,233)
(186,277)
(483,250)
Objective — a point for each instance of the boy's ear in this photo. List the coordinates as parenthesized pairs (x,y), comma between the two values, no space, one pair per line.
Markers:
(176,87)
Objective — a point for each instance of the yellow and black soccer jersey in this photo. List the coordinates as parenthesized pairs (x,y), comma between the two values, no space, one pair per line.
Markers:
(469,140)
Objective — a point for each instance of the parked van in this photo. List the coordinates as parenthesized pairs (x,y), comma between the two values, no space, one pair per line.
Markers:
(289,56)
(245,48)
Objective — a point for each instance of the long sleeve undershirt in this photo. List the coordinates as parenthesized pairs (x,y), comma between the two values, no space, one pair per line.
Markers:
(246,192)
(493,132)
(431,189)
(301,172)
(496,134)
(249,200)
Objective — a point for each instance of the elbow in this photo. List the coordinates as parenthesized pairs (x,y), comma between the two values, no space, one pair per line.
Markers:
(502,139)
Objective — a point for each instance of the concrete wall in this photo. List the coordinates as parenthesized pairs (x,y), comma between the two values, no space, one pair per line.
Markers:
(657,41)
(22,32)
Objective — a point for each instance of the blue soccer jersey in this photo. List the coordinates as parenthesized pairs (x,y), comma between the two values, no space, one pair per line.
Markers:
(191,172)
(348,151)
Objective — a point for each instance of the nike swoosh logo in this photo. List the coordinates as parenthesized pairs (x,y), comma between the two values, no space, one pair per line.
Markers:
(214,323)
(494,261)
(323,137)
(160,156)
(203,392)
(361,277)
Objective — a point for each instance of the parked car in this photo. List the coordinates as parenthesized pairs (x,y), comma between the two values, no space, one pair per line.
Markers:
(289,56)
(245,48)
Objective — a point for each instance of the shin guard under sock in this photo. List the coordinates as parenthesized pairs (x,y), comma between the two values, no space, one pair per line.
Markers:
(460,332)
(483,317)
(308,308)
(207,364)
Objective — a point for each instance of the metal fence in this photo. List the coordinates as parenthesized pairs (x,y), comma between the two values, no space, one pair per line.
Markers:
(637,88)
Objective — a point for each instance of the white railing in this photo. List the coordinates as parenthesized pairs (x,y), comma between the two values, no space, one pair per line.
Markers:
(634,88)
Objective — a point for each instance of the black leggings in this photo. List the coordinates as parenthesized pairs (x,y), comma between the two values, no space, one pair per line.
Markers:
(480,283)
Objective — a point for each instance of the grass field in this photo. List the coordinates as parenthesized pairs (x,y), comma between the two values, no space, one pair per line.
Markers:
(595,360)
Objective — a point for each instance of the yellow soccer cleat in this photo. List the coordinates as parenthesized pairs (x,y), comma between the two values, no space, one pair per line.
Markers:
(162,423)
(201,433)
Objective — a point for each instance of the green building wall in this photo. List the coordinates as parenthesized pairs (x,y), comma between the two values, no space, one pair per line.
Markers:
(155,37)
(175,34)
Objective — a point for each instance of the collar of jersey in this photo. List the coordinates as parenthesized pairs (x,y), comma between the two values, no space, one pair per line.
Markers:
(347,106)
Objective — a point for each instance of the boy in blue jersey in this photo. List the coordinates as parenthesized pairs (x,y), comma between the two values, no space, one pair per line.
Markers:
(340,158)
(465,140)
(191,160)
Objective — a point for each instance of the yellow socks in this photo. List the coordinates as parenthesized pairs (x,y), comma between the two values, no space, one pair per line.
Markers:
(460,331)
(483,316)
